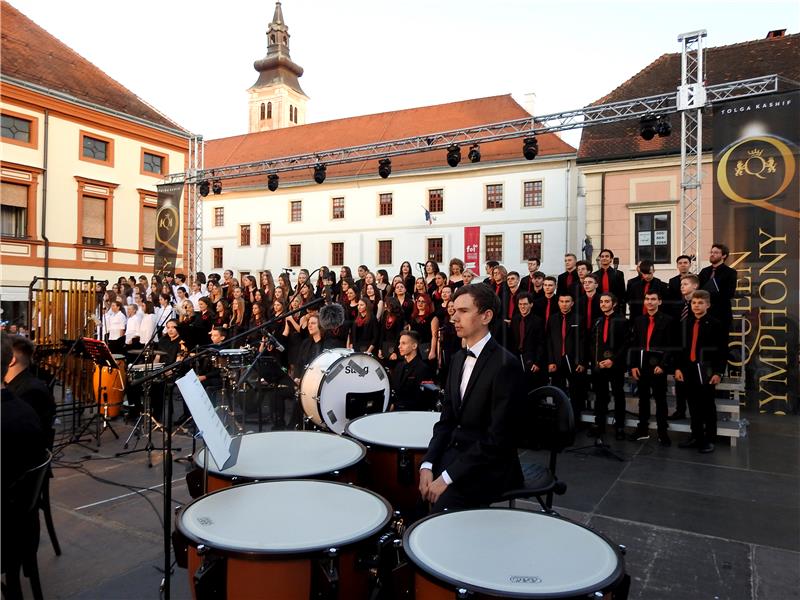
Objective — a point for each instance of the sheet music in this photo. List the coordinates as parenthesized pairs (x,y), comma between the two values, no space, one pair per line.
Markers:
(215,436)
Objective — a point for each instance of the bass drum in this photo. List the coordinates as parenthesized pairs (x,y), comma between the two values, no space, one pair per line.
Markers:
(340,385)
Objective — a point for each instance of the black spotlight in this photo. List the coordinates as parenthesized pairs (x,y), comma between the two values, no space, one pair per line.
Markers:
(663,126)
(474,153)
(204,188)
(272,182)
(384,167)
(320,171)
(216,187)
(647,127)
(453,155)
(530,148)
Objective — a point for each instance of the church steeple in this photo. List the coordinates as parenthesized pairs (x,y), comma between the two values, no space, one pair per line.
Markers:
(276,98)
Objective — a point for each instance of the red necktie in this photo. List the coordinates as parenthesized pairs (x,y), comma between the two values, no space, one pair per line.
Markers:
(646,289)
(547,311)
(569,279)
(650,328)
(521,333)
(510,305)
(563,334)
(530,283)
(497,289)
(588,312)
(695,332)
(605,331)
(605,280)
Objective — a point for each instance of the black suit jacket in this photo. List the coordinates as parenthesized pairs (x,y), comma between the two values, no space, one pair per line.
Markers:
(616,283)
(615,347)
(532,352)
(563,288)
(576,341)
(662,343)
(722,289)
(711,349)
(540,307)
(406,379)
(475,439)
(29,388)
(636,289)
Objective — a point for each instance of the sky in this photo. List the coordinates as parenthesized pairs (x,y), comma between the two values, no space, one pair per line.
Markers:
(193,60)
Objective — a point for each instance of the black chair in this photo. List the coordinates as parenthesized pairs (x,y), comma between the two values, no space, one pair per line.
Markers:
(44,501)
(549,425)
(21,506)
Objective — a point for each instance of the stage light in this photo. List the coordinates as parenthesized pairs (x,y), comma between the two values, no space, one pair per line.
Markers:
(320,171)
(647,127)
(204,188)
(384,167)
(663,126)
(216,187)
(272,182)
(530,148)
(474,153)
(453,155)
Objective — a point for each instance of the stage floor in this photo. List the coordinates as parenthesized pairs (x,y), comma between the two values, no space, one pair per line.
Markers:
(724,525)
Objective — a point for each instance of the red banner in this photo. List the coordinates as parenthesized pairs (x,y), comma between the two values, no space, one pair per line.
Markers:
(472,248)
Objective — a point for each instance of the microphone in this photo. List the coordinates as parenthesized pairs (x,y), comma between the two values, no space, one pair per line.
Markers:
(285,270)
(275,343)
(419,264)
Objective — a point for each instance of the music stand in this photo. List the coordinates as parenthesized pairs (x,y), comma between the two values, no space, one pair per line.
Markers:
(101,356)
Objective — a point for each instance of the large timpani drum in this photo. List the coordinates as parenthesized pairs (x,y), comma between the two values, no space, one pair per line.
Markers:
(340,385)
(504,553)
(111,385)
(282,455)
(279,539)
(397,442)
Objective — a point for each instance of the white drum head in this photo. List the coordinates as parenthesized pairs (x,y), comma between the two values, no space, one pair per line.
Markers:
(512,553)
(288,454)
(401,429)
(277,517)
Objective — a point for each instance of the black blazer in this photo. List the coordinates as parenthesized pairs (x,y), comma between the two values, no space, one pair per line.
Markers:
(616,283)
(616,346)
(636,294)
(722,290)
(662,343)
(563,288)
(406,379)
(540,307)
(474,440)
(576,342)
(711,350)
(582,306)
(526,285)
(532,352)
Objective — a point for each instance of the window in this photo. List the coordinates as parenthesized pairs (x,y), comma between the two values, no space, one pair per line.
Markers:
(337,208)
(97,149)
(95,212)
(494,247)
(294,255)
(217,258)
(337,253)
(94,219)
(269,110)
(532,194)
(436,200)
(494,196)
(244,235)
(291,113)
(219,216)
(385,252)
(435,249)
(263,111)
(154,163)
(532,245)
(148,227)
(264,234)
(14,200)
(653,240)
(296,211)
(19,129)
(385,204)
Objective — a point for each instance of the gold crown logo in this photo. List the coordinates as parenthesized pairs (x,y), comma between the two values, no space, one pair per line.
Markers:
(755,153)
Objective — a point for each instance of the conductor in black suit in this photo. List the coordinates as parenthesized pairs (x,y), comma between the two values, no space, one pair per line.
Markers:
(472,456)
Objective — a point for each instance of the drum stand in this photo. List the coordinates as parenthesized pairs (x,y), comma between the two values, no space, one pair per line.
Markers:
(228,404)
(152,424)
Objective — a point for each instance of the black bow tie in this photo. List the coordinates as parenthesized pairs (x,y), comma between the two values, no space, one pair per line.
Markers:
(471,353)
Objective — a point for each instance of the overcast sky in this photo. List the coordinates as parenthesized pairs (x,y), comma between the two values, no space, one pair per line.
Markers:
(193,60)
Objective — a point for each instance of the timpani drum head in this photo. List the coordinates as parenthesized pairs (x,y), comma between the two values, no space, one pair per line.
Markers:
(513,553)
(401,429)
(284,517)
(288,454)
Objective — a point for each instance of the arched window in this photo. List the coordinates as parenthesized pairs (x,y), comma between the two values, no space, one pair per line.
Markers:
(295,115)
(272,38)
(291,113)
(269,110)
(263,111)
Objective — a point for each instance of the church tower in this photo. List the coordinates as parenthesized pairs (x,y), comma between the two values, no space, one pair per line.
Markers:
(276,98)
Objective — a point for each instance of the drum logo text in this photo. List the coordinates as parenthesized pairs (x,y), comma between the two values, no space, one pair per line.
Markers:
(354,368)
(525,579)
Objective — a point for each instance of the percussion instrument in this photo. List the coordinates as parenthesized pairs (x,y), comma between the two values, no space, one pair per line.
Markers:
(111,386)
(340,385)
(280,539)
(282,455)
(142,369)
(151,351)
(233,358)
(504,553)
(396,443)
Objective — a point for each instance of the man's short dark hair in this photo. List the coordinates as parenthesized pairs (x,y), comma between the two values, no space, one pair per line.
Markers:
(524,296)
(654,292)
(612,296)
(683,256)
(585,263)
(570,254)
(482,295)
(551,278)
(722,248)
(513,273)
(610,252)
(646,267)
(703,294)
(492,263)
(536,258)
(221,330)
(412,334)
(180,277)
(539,274)
(22,346)
(6,354)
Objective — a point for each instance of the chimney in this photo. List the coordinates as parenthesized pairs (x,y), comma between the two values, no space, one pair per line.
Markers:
(776,33)
(529,102)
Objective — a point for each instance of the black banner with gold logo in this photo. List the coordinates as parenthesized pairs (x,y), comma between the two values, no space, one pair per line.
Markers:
(757,215)
(168,227)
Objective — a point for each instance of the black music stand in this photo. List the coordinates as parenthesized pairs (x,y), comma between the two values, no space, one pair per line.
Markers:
(101,356)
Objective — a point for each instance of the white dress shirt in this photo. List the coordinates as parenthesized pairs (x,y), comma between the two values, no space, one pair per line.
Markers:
(132,327)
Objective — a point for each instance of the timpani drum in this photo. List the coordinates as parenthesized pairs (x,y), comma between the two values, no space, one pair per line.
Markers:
(340,385)
(111,385)
(282,455)
(233,358)
(396,443)
(504,553)
(281,539)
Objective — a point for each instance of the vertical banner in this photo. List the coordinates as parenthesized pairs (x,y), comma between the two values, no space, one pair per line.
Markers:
(168,226)
(757,214)
(472,248)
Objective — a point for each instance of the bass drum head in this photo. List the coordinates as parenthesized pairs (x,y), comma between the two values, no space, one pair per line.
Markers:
(284,517)
(400,429)
(288,454)
(340,385)
(513,554)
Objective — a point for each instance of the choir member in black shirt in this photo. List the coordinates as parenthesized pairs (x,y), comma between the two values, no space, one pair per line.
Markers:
(719,280)
(611,279)
(568,280)
(526,340)
(391,325)
(364,331)
(638,288)
(566,352)
(546,305)
(409,373)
